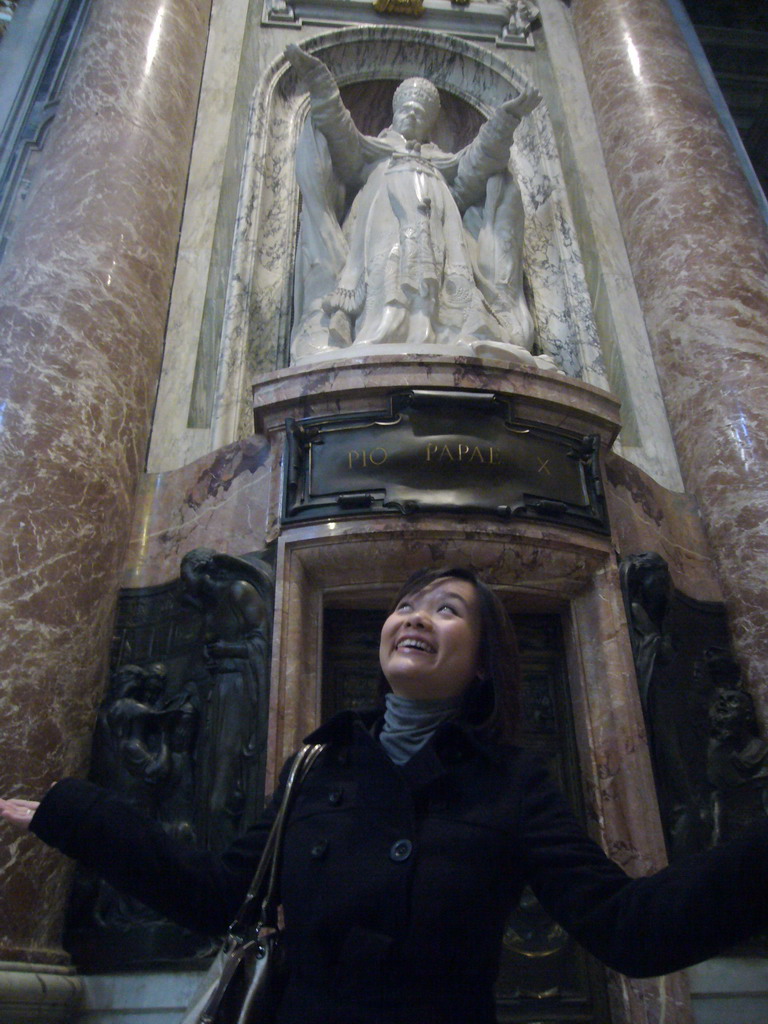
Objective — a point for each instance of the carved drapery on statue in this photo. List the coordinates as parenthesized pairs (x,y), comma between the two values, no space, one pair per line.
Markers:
(230,594)
(404,245)
(737,756)
(522,15)
(183,740)
(710,764)
(143,746)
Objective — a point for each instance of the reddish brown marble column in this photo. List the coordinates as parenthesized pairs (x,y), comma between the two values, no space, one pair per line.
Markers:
(699,252)
(85,286)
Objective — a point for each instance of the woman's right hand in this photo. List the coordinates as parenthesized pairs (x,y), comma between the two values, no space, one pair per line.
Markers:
(18,812)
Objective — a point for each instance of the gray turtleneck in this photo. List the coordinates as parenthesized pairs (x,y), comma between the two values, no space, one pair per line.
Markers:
(408,724)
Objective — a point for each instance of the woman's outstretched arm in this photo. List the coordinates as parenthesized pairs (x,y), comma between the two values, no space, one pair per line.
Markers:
(646,926)
(135,854)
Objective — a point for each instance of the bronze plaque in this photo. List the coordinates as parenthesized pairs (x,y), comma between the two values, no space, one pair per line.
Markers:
(441,451)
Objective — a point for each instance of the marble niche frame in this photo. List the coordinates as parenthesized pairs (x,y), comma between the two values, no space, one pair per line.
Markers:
(258,305)
(540,569)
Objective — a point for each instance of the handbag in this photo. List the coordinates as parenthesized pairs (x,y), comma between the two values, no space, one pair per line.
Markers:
(244,983)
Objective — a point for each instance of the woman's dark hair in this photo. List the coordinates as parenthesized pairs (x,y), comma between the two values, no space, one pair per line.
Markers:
(491,702)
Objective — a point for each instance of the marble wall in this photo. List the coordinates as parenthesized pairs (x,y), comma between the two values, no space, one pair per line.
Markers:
(648,517)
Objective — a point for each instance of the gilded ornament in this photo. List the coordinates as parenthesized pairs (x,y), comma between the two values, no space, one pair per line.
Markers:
(410,8)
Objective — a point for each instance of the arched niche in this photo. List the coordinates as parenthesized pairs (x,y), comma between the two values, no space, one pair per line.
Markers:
(370,61)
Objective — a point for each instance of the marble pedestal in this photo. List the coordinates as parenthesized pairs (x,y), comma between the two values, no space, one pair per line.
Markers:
(33,992)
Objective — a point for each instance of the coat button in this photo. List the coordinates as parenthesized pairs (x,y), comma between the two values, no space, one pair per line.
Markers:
(334,797)
(318,849)
(401,850)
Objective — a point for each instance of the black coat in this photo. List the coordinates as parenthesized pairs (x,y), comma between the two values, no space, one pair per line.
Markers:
(396,882)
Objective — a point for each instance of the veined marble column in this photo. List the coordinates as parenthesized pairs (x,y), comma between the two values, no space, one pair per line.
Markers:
(85,286)
(699,253)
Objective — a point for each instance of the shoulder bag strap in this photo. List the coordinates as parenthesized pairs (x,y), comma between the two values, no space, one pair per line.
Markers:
(266,875)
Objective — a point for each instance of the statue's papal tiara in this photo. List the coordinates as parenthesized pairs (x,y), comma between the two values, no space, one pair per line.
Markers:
(419,89)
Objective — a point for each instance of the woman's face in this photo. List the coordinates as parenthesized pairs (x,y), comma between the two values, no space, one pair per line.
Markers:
(430,643)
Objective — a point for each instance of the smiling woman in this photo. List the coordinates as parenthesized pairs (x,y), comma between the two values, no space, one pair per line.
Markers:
(410,822)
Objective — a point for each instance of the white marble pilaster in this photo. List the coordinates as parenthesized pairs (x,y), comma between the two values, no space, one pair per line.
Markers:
(646,438)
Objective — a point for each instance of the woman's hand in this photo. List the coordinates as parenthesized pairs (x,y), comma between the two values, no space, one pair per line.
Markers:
(18,812)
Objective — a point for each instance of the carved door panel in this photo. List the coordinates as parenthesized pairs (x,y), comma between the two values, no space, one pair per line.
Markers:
(544,976)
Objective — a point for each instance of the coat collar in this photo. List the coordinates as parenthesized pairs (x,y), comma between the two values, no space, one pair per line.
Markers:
(453,741)
(339,728)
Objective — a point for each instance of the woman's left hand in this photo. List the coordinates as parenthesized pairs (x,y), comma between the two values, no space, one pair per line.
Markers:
(18,812)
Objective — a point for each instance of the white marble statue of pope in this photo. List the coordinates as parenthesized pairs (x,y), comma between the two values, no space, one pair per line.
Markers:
(430,252)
